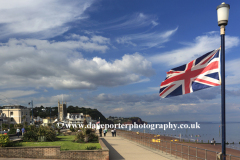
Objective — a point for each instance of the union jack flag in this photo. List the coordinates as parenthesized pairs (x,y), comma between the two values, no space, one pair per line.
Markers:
(198,74)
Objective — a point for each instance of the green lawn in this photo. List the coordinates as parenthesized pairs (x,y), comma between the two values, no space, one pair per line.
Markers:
(65,142)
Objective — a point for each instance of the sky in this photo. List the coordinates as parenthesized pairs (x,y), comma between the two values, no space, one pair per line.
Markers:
(113,56)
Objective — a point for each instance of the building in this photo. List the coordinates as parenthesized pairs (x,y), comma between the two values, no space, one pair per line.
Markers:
(3,118)
(16,114)
(38,120)
(75,118)
(78,118)
(62,111)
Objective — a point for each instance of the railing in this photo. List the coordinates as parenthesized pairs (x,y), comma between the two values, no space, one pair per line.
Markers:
(174,149)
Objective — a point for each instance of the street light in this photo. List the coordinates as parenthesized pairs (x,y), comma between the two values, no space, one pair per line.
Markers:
(32,108)
(50,113)
(223,14)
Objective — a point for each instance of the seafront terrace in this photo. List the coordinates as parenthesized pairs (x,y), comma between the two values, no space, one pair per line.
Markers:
(121,148)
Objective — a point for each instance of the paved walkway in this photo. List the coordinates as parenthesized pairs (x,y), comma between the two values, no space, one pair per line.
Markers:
(120,148)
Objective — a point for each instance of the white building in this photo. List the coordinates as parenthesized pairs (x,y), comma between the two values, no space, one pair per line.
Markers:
(77,118)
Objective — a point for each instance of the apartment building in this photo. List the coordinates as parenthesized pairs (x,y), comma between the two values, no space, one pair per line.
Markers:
(77,118)
(16,114)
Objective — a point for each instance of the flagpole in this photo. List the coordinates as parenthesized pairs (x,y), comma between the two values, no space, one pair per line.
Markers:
(223,14)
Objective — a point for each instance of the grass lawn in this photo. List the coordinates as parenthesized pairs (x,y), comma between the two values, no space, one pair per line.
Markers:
(65,142)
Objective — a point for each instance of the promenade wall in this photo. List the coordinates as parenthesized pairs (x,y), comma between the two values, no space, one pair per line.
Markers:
(54,153)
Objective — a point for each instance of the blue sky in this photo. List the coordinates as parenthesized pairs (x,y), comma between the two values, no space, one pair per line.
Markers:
(113,55)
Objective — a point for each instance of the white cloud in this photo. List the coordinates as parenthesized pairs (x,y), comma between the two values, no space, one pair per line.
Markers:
(137,20)
(61,98)
(45,18)
(149,40)
(40,63)
(93,39)
(100,40)
(201,45)
(126,40)
(16,93)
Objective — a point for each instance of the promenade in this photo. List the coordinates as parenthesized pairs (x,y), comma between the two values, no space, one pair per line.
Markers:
(121,149)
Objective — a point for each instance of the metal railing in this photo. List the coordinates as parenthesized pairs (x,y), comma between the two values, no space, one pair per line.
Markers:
(174,149)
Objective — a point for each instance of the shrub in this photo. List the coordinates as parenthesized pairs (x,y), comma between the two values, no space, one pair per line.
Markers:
(31,128)
(93,138)
(58,130)
(12,131)
(33,133)
(79,138)
(25,124)
(50,135)
(72,129)
(4,140)
(88,131)
(91,147)
(11,125)
(30,136)
(41,131)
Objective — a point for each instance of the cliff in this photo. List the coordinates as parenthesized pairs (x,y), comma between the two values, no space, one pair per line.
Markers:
(131,120)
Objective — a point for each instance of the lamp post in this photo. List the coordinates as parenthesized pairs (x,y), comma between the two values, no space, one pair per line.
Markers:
(50,113)
(223,14)
(32,109)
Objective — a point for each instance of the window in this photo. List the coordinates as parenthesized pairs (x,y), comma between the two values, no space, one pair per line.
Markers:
(22,113)
(11,119)
(11,113)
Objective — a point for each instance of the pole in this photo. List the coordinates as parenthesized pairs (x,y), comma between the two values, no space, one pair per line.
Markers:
(32,110)
(1,121)
(222,32)
(50,113)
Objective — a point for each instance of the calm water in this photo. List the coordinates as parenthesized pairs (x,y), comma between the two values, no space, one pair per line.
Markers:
(207,131)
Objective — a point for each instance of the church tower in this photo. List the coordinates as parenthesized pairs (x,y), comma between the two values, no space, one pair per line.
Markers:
(62,111)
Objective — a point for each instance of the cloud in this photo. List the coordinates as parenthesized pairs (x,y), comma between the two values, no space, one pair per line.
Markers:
(16,93)
(61,97)
(233,92)
(8,97)
(201,45)
(148,40)
(40,18)
(93,39)
(232,72)
(133,99)
(126,98)
(59,65)
(137,20)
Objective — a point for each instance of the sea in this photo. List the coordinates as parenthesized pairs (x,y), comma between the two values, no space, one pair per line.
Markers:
(205,134)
